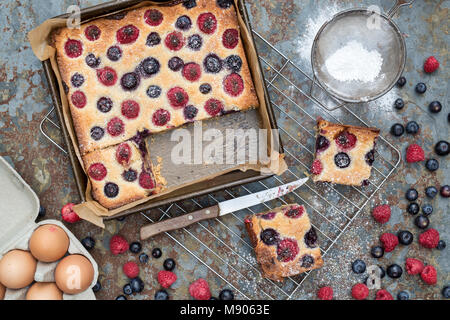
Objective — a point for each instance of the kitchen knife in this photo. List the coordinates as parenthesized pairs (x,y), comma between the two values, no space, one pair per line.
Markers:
(221,209)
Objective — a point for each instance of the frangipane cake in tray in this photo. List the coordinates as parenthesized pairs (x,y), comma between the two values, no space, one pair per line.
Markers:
(344,154)
(151,69)
(284,241)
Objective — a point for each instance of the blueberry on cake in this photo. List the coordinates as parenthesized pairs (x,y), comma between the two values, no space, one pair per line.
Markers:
(284,241)
(344,154)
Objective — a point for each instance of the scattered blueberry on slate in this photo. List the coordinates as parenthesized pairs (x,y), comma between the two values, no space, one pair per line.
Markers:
(413,208)
(88,243)
(446,292)
(427,209)
(399,104)
(169,264)
(127,289)
(432,165)
(41,212)
(226,294)
(405,237)
(412,127)
(442,148)
(358,266)
(435,107)
(143,258)
(397,129)
(394,271)
(121,297)
(135,247)
(401,82)
(161,295)
(382,272)
(421,88)
(97,287)
(377,252)
(421,222)
(403,295)
(431,192)
(137,285)
(445,191)
(156,253)
(412,194)
(441,245)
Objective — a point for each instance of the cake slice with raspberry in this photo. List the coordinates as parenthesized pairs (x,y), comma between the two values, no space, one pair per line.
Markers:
(284,241)
(344,154)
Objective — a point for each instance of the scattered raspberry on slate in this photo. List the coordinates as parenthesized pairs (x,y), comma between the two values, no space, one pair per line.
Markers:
(383,295)
(413,266)
(414,153)
(166,278)
(68,215)
(429,239)
(429,275)
(118,245)
(389,241)
(325,293)
(131,269)
(360,291)
(382,213)
(431,65)
(199,290)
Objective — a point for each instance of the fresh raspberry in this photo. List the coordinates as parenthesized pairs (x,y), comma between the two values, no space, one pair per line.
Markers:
(175,41)
(389,241)
(383,295)
(161,117)
(230,38)
(414,266)
(92,33)
(166,278)
(233,84)
(115,127)
(107,76)
(414,153)
(79,99)
(73,48)
(207,23)
(346,140)
(199,290)
(118,245)
(123,154)
(178,98)
(429,239)
(213,107)
(131,269)
(130,109)
(431,65)
(360,291)
(325,293)
(382,213)
(192,71)
(294,212)
(429,275)
(97,171)
(153,17)
(146,181)
(127,34)
(287,250)
(68,215)
(316,167)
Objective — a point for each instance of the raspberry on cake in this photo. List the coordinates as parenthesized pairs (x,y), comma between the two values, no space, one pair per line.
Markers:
(344,154)
(284,241)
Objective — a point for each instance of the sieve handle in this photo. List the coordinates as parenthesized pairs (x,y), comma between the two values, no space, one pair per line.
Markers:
(398,5)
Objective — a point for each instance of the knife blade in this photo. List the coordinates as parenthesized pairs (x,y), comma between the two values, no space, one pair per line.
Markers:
(221,209)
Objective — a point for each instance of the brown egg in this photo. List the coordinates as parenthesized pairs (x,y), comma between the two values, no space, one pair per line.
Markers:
(49,243)
(17,269)
(2,291)
(74,274)
(44,291)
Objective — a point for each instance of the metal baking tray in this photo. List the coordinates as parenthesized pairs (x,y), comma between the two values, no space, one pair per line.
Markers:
(224,181)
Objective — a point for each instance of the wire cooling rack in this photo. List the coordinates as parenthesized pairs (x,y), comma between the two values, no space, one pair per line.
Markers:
(221,245)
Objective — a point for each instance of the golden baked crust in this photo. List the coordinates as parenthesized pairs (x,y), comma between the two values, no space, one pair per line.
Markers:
(89,116)
(293,232)
(360,153)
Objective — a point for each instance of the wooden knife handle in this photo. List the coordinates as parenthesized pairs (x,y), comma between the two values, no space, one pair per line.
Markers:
(185,220)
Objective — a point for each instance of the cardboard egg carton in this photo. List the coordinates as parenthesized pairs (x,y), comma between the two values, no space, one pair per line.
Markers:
(19,208)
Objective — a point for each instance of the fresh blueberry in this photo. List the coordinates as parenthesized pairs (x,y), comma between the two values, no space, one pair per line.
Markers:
(397,129)
(161,295)
(195,42)
(143,258)
(190,112)
(104,104)
(446,292)
(394,271)
(435,107)
(431,192)
(399,104)
(130,81)
(224,4)
(405,237)
(403,295)
(121,297)
(205,88)
(153,39)
(137,285)
(342,160)
(442,148)
(382,272)
(175,64)
(421,222)
(432,165)
(226,294)
(127,289)
(41,212)
(445,191)
(412,127)
(401,82)
(169,264)
(377,252)
(269,236)
(421,88)
(189,4)
(156,253)
(427,209)
(358,266)
(310,238)
(183,23)
(413,208)
(212,63)
(88,243)
(441,245)
(135,247)
(149,67)
(97,133)
(92,61)
(154,91)
(412,194)
(97,287)
(77,80)
(233,63)
(111,190)
(130,175)
(114,53)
